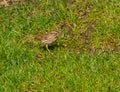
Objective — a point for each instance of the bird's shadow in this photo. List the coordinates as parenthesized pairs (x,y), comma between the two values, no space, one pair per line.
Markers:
(51,47)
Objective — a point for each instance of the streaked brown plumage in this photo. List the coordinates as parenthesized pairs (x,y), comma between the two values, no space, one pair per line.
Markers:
(48,38)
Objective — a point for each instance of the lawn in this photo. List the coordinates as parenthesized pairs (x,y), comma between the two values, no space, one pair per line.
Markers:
(85,58)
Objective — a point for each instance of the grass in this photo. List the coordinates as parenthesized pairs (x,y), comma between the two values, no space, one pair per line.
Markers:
(86,58)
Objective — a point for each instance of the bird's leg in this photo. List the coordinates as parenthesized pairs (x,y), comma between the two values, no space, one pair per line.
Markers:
(47,48)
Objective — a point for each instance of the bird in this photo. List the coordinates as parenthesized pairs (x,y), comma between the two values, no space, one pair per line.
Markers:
(48,38)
